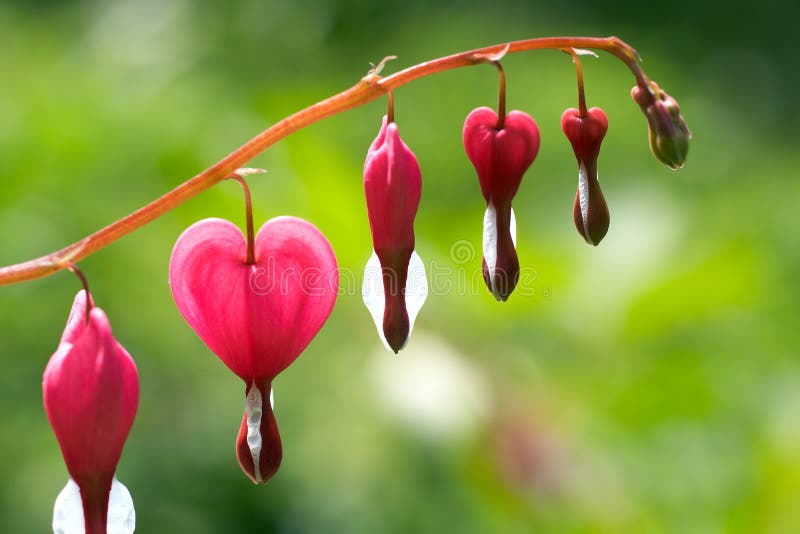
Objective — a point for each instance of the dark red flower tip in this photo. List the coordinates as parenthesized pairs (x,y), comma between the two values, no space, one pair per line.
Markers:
(258,444)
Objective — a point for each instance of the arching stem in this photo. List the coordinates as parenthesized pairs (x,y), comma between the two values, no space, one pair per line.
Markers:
(367,89)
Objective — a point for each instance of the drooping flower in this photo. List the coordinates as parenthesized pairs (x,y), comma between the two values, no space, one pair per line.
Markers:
(669,134)
(91,393)
(394,281)
(257,318)
(589,211)
(501,153)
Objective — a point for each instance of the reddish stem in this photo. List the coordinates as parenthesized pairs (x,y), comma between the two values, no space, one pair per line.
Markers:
(74,268)
(581,94)
(501,99)
(576,59)
(248,212)
(390,107)
(367,89)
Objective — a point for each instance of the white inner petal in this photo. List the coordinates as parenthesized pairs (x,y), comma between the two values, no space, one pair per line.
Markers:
(583,196)
(490,239)
(513,228)
(372,292)
(68,510)
(253,410)
(416,290)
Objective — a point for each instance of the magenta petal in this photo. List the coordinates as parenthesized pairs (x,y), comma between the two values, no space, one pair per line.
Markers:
(91,392)
(393,187)
(299,265)
(500,156)
(256,318)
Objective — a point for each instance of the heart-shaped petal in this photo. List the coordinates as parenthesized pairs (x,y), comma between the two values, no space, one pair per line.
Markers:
(501,156)
(257,318)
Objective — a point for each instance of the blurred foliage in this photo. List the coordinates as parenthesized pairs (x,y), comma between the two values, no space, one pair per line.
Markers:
(649,385)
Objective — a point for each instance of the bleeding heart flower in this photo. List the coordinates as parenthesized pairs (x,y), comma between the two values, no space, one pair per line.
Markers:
(394,281)
(501,154)
(589,211)
(256,317)
(91,392)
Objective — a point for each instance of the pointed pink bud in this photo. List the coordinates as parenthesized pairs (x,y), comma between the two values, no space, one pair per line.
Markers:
(91,392)
(256,318)
(501,155)
(393,186)
(589,211)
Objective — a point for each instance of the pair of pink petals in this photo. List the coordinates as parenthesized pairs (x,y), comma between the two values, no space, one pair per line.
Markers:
(395,286)
(257,318)
(501,154)
(91,393)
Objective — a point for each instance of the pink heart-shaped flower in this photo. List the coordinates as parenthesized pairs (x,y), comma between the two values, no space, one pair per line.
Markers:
(501,156)
(257,318)
(589,210)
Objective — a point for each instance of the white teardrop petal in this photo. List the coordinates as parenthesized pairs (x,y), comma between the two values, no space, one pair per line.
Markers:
(490,239)
(513,229)
(68,510)
(252,408)
(416,289)
(121,515)
(583,198)
(372,293)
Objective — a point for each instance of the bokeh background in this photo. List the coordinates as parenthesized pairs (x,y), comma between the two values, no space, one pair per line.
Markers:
(651,384)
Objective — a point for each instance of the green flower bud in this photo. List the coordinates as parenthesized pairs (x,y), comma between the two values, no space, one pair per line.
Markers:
(669,135)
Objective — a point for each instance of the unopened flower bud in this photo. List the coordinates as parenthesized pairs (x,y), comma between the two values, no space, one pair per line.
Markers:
(669,135)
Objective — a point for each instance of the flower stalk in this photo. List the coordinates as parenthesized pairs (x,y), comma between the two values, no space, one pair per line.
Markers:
(367,89)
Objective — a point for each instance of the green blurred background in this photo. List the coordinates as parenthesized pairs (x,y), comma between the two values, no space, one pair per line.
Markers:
(651,384)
